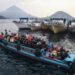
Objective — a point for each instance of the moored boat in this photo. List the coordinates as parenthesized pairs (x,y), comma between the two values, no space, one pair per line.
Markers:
(57,27)
(29,53)
(44,26)
(35,26)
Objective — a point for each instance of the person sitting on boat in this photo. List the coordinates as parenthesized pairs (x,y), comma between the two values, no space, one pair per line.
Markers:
(30,37)
(50,46)
(10,33)
(44,37)
(1,37)
(27,35)
(43,52)
(43,44)
(63,53)
(12,39)
(6,34)
(18,44)
(16,36)
(37,52)
(38,44)
(54,53)
(22,39)
(47,54)
(8,38)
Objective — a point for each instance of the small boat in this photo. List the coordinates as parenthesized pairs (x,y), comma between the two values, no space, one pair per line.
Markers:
(35,26)
(44,26)
(67,64)
(57,27)
(23,25)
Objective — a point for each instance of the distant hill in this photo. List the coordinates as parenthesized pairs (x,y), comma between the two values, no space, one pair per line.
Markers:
(1,17)
(14,12)
(61,14)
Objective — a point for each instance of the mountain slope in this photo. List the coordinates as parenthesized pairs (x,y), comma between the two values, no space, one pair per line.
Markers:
(61,14)
(14,12)
(2,17)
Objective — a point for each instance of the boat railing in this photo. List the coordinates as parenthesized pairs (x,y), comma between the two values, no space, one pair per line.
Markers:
(21,47)
(29,50)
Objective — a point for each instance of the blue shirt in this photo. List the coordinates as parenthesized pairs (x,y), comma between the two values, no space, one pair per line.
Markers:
(50,45)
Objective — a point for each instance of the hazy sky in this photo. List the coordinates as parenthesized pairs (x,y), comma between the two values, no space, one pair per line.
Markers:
(41,8)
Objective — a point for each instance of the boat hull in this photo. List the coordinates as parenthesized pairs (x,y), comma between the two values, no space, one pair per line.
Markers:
(44,27)
(57,28)
(55,63)
(35,28)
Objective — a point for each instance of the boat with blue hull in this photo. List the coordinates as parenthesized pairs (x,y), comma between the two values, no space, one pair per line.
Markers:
(67,64)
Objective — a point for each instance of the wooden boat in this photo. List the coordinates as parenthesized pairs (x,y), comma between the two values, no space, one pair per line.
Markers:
(35,26)
(23,25)
(44,25)
(27,52)
(57,27)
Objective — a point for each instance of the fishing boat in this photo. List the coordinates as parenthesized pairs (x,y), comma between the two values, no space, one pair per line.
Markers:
(57,27)
(67,64)
(44,25)
(35,26)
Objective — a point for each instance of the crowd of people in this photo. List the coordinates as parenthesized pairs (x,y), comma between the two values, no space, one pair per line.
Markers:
(41,47)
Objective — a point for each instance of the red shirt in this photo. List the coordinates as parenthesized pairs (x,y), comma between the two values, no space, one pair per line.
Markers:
(1,37)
